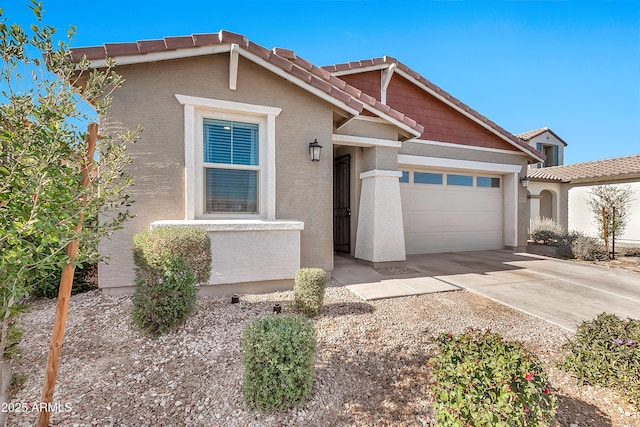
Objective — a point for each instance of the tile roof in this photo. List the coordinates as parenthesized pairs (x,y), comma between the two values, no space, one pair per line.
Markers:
(284,59)
(619,167)
(530,134)
(387,60)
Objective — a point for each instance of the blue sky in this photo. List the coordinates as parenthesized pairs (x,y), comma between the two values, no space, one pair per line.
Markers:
(573,66)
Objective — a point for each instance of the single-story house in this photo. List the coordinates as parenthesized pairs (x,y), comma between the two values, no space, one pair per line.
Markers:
(229,125)
(561,193)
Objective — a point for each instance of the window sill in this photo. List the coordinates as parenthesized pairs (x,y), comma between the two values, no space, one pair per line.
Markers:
(233,224)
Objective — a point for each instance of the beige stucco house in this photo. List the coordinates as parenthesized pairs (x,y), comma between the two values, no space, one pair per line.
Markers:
(405,167)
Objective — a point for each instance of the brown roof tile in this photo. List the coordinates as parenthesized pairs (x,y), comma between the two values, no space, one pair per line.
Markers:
(285,59)
(146,46)
(121,49)
(597,170)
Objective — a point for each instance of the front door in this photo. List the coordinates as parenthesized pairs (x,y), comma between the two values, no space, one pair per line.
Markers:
(341,205)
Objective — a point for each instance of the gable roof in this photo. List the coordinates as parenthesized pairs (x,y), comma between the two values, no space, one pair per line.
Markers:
(530,134)
(437,92)
(619,167)
(281,61)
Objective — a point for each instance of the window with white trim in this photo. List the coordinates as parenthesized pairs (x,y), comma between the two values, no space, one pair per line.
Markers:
(231,166)
(229,159)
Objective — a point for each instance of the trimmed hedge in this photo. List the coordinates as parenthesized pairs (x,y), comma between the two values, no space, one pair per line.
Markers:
(278,354)
(309,290)
(588,248)
(169,261)
(545,230)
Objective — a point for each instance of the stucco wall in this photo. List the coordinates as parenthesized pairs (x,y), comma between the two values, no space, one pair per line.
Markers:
(581,218)
(303,188)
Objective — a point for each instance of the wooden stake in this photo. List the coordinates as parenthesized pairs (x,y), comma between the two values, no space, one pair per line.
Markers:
(64,293)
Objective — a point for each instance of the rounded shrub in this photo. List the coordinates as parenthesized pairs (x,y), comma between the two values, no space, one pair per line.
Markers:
(606,352)
(588,248)
(169,261)
(309,290)
(278,354)
(480,379)
(154,248)
(545,230)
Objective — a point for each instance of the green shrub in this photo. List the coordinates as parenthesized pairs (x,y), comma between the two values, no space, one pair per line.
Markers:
(545,230)
(309,289)
(278,354)
(588,248)
(565,242)
(169,261)
(606,352)
(84,280)
(152,249)
(481,380)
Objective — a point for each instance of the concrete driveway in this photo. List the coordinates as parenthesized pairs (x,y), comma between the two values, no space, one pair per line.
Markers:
(561,292)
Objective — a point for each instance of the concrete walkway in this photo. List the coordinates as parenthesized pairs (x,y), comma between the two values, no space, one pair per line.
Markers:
(562,292)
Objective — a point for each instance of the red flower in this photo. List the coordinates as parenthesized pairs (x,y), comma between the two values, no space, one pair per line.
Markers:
(529,376)
(526,410)
(546,390)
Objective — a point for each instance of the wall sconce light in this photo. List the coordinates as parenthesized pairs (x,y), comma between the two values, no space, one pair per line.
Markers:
(314,150)
(524,181)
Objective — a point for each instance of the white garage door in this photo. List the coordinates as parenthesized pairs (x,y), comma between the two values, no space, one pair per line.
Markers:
(451,211)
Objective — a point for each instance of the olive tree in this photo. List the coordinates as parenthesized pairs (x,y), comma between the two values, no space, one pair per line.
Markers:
(47,98)
(616,202)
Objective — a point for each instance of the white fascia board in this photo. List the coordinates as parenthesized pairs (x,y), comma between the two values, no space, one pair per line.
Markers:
(467,147)
(228,106)
(361,141)
(454,164)
(401,125)
(162,56)
(359,70)
(285,75)
(463,111)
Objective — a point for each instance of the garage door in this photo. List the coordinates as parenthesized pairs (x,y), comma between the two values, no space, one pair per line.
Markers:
(450,212)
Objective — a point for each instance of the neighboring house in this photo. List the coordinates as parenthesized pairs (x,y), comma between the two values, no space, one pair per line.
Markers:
(561,193)
(405,167)
(546,141)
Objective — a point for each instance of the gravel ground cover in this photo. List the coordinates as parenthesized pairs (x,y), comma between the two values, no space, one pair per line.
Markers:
(371,368)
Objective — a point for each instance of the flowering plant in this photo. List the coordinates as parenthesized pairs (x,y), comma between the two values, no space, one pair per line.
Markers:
(605,352)
(481,379)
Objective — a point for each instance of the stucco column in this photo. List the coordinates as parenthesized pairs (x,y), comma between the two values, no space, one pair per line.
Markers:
(380,235)
(534,207)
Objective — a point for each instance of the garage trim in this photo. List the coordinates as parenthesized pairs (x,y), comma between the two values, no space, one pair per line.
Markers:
(511,178)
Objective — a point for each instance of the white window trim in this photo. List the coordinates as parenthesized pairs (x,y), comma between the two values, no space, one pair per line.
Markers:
(195,110)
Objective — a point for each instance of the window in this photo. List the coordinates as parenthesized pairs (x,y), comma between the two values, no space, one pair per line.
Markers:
(404,177)
(427,178)
(231,166)
(486,181)
(229,152)
(462,180)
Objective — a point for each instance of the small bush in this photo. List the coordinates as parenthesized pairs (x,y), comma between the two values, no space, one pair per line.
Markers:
(278,354)
(545,230)
(152,249)
(588,248)
(565,243)
(606,352)
(169,262)
(162,301)
(309,289)
(84,280)
(481,379)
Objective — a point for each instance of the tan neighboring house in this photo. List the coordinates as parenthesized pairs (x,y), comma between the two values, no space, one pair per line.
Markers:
(560,192)
(405,167)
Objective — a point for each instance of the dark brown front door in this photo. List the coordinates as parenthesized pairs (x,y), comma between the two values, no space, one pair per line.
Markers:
(341,205)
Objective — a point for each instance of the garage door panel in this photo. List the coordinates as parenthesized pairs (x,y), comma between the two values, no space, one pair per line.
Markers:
(443,218)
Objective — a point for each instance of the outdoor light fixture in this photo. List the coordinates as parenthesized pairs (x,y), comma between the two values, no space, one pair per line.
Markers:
(277,308)
(235,299)
(314,150)
(524,181)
